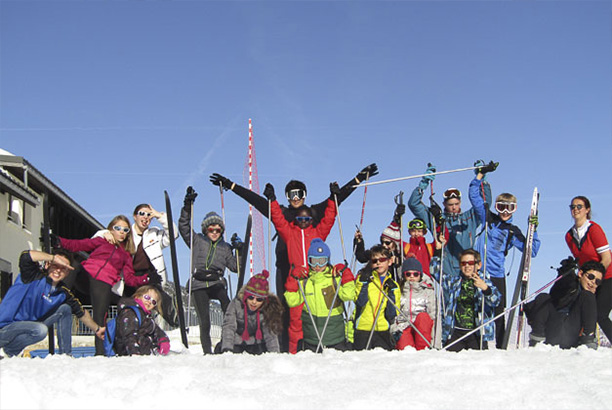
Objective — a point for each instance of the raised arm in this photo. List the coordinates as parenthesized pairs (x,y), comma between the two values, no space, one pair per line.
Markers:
(259,202)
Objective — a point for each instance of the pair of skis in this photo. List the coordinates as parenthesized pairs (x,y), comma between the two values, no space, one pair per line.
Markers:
(175,271)
(522,281)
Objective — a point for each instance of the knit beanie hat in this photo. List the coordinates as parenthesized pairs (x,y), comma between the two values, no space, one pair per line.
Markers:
(212,218)
(258,285)
(392,233)
(412,264)
(318,248)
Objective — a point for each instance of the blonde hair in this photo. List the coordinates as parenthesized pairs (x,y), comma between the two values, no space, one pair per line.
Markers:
(128,242)
(505,197)
(141,291)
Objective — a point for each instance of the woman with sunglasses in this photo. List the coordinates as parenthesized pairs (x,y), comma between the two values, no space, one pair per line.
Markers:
(501,236)
(211,256)
(140,336)
(587,242)
(104,268)
(567,316)
(323,283)
(253,320)
(418,306)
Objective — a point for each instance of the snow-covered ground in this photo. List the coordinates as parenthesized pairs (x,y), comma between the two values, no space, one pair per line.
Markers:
(536,378)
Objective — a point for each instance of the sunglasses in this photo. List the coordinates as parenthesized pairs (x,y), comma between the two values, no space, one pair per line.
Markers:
(143,213)
(578,207)
(452,193)
(466,263)
(121,229)
(148,298)
(255,298)
(303,218)
(388,243)
(412,274)
(416,224)
(505,207)
(214,230)
(376,260)
(295,194)
(317,260)
(590,276)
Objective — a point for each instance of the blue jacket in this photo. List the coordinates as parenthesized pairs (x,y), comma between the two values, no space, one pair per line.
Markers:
(452,288)
(500,238)
(462,228)
(33,297)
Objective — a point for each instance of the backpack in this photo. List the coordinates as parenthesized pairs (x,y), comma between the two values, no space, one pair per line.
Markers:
(111,330)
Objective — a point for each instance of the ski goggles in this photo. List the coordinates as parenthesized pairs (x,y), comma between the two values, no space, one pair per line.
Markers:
(121,229)
(590,276)
(251,297)
(148,298)
(295,194)
(452,193)
(318,260)
(143,213)
(303,218)
(416,224)
(505,207)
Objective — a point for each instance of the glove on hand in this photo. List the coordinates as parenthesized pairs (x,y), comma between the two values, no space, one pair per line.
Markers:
(347,275)
(164,348)
(55,241)
(367,172)
(427,178)
(485,168)
(567,265)
(389,286)
(400,210)
(364,275)
(220,180)
(236,241)
(534,220)
(334,190)
(190,196)
(269,192)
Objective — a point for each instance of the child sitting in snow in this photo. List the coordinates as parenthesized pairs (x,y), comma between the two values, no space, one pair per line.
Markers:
(253,320)
(418,307)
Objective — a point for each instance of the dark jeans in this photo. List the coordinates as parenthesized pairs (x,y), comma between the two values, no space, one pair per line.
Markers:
(604,305)
(379,339)
(470,342)
(500,323)
(201,299)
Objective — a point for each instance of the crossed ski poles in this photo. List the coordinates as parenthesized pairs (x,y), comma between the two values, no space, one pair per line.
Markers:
(521,302)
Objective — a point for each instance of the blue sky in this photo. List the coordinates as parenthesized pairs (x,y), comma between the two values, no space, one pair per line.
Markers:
(118,101)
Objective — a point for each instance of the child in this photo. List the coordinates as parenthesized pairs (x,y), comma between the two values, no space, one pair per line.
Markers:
(253,320)
(142,336)
(567,316)
(104,267)
(389,238)
(374,313)
(501,236)
(320,287)
(211,255)
(418,306)
(464,304)
(297,235)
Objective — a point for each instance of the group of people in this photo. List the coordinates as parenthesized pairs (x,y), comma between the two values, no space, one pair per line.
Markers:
(407,293)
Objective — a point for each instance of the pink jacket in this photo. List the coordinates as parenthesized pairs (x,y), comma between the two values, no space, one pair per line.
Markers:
(105,261)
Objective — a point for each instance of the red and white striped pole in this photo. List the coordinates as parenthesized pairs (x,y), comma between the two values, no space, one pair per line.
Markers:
(250,188)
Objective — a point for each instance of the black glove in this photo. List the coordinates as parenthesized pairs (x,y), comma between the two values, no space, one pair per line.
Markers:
(54,241)
(269,192)
(364,275)
(390,286)
(567,265)
(220,180)
(236,242)
(368,172)
(334,189)
(490,167)
(190,196)
(400,210)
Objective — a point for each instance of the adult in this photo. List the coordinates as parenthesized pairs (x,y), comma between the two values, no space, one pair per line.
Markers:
(587,242)
(211,255)
(39,299)
(295,192)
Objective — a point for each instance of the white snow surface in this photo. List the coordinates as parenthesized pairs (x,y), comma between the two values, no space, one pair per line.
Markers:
(543,377)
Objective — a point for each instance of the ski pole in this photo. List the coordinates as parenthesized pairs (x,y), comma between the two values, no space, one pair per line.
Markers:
(190,267)
(374,324)
(403,315)
(269,231)
(507,310)
(413,177)
(338,285)
(365,192)
(484,258)
(229,275)
(314,324)
(340,227)
(401,246)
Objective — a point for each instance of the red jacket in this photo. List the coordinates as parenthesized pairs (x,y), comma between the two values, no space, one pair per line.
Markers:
(421,250)
(298,239)
(593,243)
(105,261)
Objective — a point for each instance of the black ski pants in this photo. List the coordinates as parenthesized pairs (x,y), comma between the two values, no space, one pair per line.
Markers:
(604,305)
(471,342)
(500,322)
(379,339)
(201,299)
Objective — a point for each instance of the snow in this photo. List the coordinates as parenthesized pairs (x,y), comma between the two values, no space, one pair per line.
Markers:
(534,378)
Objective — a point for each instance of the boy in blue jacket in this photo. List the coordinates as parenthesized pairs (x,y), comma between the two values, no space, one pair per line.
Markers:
(39,299)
